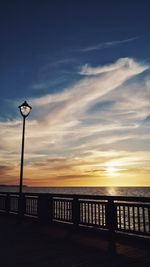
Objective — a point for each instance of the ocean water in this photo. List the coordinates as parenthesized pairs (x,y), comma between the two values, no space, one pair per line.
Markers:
(107,191)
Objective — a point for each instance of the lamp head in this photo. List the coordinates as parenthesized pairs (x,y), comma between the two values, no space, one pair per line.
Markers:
(25,109)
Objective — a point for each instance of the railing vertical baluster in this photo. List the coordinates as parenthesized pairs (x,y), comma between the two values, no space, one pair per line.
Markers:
(58,216)
(57,208)
(31,201)
(118,224)
(56,204)
(95,213)
(149,218)
(88,211)
(91,220)
(70,211)
(85,212)
(60,209)
(85,205)
(143,215)
(138,218)
(67,211)
(62,213)
(133,213)
(120,214)
(102,214)
(128,217)
(63,209)
(99,214)
(124,216)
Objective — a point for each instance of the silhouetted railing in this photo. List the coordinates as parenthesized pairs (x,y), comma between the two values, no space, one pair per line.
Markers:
(114,214)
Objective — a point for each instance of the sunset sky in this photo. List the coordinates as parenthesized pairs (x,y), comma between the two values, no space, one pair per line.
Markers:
(84,67)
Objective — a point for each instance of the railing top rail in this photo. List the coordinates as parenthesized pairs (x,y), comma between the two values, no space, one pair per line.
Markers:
(90,197)
(103,197)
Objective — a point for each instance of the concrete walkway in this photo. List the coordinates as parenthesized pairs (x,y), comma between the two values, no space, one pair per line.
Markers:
(29,244)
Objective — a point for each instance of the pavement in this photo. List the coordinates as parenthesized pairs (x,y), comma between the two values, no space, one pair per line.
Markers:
(29,244)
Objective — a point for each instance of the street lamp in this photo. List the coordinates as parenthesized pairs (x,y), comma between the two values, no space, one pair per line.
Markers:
(25,111)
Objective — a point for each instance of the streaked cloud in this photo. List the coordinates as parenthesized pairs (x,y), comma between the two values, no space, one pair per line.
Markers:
(127,64)
(104,45)
(74,135)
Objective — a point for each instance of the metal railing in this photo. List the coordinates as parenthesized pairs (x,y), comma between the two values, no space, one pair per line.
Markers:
(62,209)
(130,215)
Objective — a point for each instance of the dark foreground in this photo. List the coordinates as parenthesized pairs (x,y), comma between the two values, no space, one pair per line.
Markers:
(29,244)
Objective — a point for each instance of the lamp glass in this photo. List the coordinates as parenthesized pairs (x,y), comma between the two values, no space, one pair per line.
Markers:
(25,109)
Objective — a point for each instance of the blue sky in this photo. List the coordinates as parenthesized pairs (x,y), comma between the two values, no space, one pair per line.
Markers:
(84,67)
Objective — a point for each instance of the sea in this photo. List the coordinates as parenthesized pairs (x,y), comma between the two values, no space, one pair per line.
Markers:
(107,191)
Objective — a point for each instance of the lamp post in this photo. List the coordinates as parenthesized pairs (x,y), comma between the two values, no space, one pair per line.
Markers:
(25,111)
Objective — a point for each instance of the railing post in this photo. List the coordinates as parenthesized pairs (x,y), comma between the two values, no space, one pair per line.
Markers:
(75,211)
(111,216)
(44,208)
(21,206)
(50,209)
(7,203)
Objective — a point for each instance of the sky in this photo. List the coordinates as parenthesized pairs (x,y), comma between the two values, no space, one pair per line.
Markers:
(84,67)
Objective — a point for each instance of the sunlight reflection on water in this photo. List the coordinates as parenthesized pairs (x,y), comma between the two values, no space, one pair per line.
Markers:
(108,191)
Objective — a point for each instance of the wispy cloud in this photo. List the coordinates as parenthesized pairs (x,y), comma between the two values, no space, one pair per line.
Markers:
(122,63)
(98,121)
(104,45)
(54,73)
